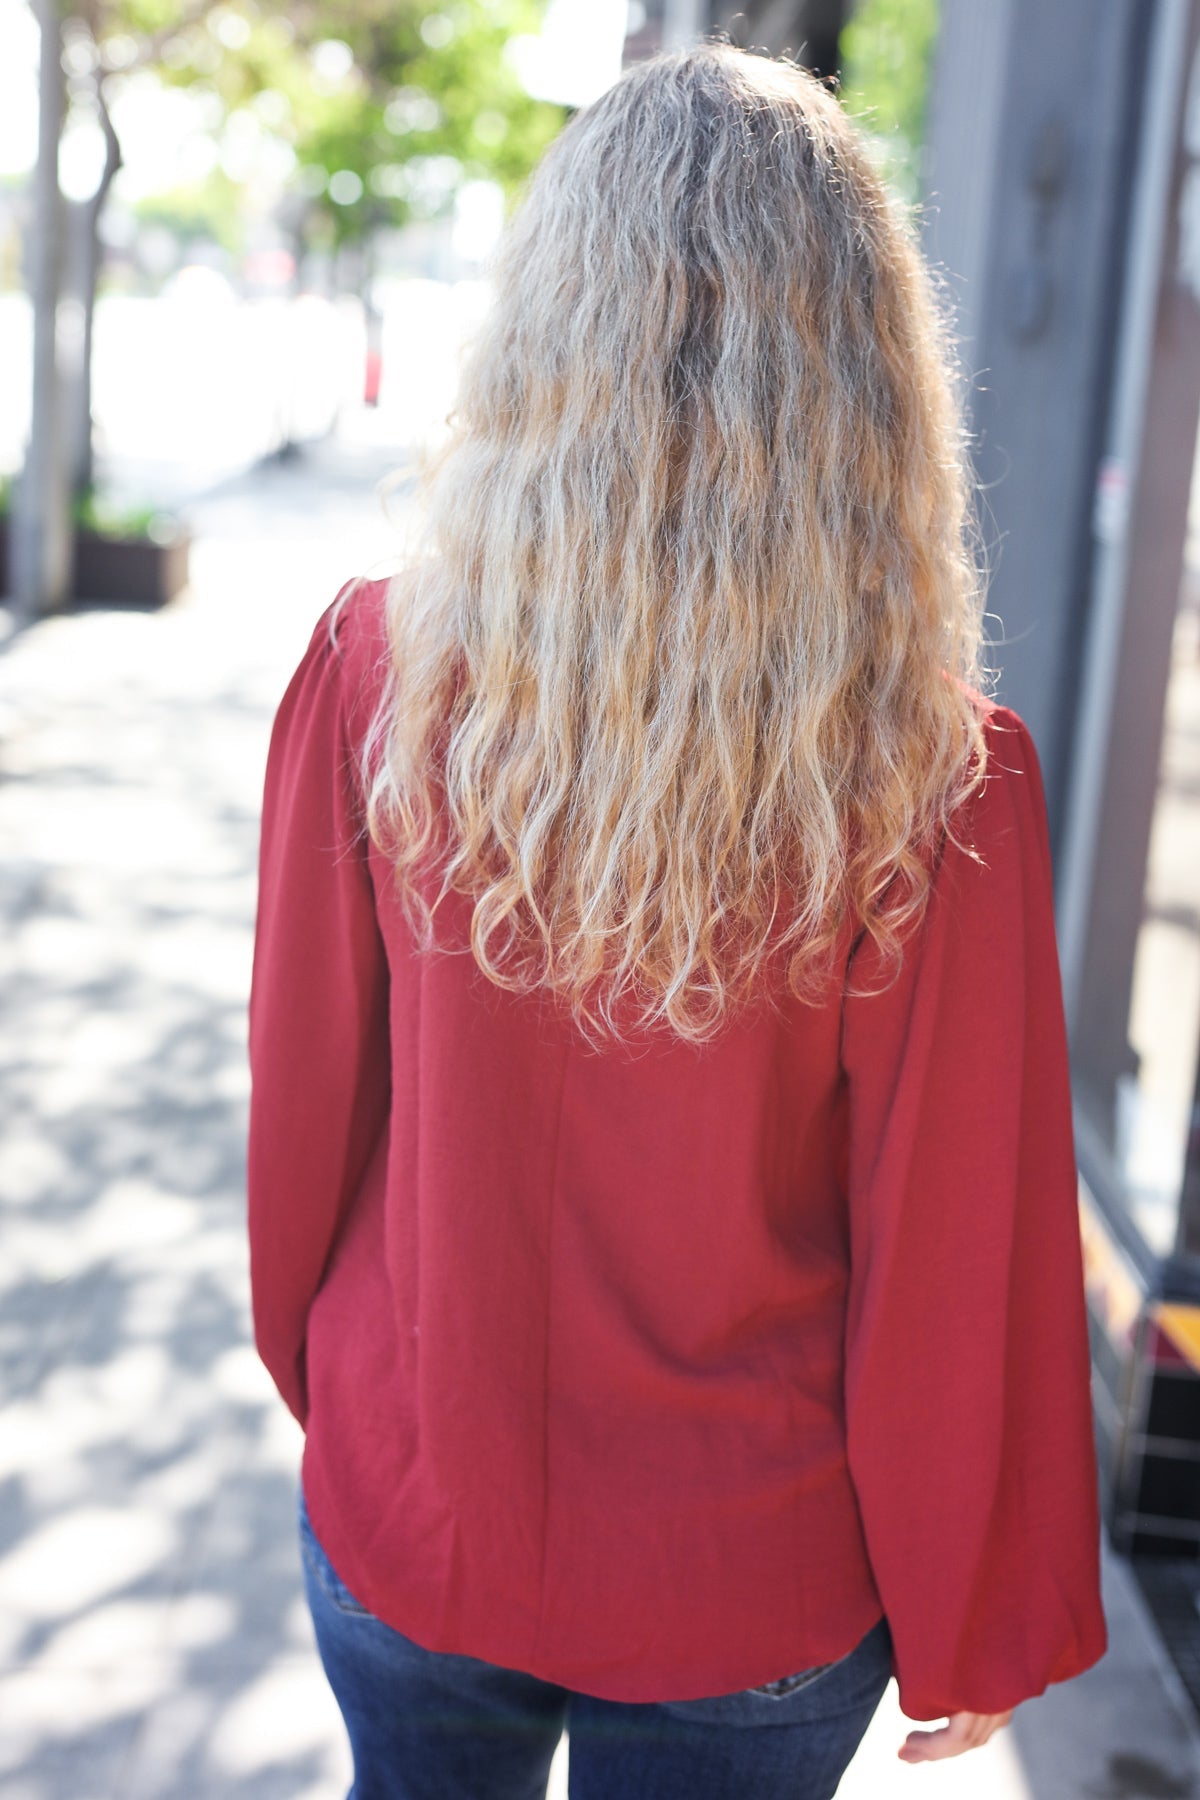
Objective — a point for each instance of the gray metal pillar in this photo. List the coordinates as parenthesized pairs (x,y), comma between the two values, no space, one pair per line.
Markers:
(807,29)
(684,23)
(1151,458)
(1025,191)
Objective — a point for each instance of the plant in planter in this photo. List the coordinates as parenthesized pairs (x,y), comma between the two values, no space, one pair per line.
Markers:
(130,555)
(135,555)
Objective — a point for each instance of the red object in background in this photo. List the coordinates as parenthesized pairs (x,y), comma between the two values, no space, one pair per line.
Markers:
(1158,1346)
(374,377)
(661,1373)
(273,268)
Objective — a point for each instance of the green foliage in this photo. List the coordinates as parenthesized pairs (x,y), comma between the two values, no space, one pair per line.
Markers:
(887,56)
(209,208)
(387,106)
(106,518)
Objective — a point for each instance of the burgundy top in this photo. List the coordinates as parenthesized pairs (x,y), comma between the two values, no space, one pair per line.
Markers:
(661,1372)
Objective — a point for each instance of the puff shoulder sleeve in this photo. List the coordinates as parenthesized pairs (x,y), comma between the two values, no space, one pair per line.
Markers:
(318,1014)
(967,1387)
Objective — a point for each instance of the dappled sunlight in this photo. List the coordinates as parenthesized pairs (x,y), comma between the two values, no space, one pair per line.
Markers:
(153,1634)
(264,1725)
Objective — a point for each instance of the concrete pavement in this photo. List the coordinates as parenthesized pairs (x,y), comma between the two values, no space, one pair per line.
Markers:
(153,1639)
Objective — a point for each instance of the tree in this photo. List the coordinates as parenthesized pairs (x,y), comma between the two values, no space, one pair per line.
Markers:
(40,512)
(83,230)
(386,105)
(887,53)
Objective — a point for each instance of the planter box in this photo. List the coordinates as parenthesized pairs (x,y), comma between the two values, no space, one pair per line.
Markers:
(129,571)
(119,571)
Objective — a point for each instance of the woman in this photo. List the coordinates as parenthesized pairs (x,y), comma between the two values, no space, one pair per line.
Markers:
(661,1179)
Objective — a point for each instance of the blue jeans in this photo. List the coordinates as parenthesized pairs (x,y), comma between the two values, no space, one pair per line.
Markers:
(429,1725)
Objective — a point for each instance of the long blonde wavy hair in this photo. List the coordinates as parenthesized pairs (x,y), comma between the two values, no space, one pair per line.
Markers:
(687,673)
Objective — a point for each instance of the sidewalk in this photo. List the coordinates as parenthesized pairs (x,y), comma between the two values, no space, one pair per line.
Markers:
(153,1639)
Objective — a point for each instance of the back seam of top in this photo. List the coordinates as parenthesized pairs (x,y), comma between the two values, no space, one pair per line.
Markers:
(549,1318)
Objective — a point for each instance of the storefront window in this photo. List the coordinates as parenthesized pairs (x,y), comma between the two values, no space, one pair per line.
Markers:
(1155,1099)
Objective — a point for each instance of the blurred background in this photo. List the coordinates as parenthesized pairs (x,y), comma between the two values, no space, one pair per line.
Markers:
(241,249)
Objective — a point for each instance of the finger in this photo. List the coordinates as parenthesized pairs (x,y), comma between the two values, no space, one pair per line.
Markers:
(985,1725)
(964,1731)
(922,1746)
(931,1746)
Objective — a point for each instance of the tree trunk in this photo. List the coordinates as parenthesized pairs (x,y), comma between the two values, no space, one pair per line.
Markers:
(41,537)
(87,225)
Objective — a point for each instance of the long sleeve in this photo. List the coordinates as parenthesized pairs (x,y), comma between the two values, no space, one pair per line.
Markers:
(967,1385)
(319,1052)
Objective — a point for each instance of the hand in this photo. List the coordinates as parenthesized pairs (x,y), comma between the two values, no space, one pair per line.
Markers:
(966,1731)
